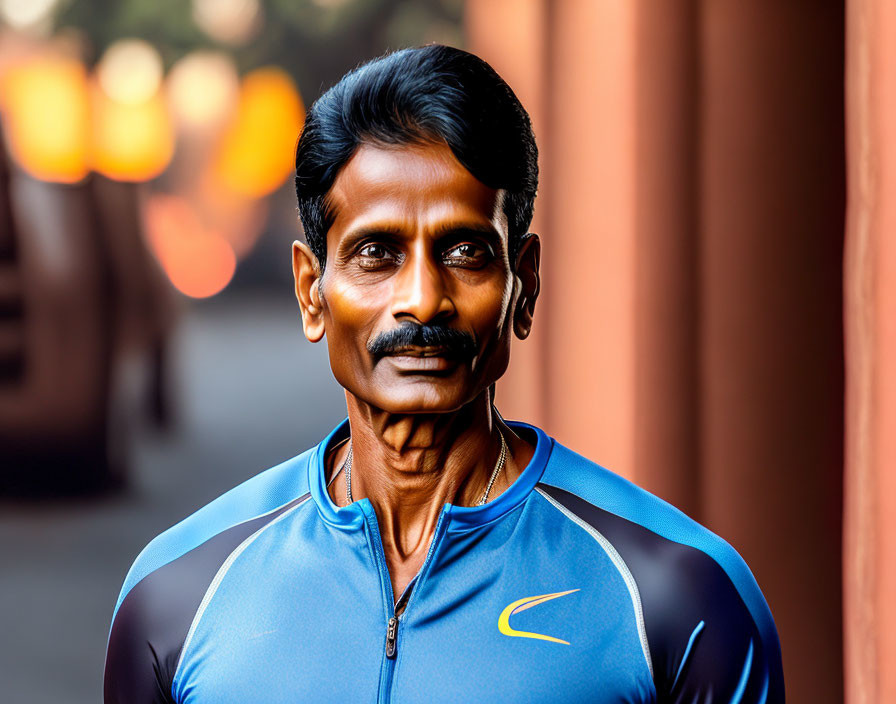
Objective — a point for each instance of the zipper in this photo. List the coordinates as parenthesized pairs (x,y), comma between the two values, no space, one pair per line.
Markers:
(392,623)
(397,608)
(391,637)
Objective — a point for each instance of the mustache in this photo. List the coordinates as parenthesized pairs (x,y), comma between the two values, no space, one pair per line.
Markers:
(456,343)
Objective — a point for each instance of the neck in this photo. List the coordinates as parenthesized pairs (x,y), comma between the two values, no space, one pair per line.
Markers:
(410,465)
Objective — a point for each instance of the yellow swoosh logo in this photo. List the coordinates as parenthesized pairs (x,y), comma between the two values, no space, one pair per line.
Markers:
(522,605)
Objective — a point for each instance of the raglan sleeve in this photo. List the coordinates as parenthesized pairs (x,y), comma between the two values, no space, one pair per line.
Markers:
(714,640)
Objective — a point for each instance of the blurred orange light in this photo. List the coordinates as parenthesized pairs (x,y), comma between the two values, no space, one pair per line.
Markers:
(202,89)
(258,150)
(238,219)
(131,141)
(46,115)
(199,262)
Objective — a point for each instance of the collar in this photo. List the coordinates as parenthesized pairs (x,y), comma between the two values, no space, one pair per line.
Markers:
(353,516)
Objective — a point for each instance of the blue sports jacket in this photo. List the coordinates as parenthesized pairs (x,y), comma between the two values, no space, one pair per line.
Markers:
(573,585)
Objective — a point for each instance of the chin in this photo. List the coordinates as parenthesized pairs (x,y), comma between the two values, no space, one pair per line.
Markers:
(426,395)
(400,391)
(400,404)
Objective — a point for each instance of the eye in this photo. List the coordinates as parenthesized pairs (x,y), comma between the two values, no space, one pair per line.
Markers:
(467,254)
(375,255)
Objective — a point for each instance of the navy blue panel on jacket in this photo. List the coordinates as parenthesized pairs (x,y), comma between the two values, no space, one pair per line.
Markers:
(573,585)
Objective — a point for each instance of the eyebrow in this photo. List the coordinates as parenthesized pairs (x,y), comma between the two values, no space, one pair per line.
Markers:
(479,229)
(352,238)
(393,232)
(372,230)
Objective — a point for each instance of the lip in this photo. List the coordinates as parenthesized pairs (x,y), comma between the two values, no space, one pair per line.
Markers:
(422,359)
(420,352)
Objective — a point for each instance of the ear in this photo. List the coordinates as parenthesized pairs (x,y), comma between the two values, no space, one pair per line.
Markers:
(528,260)
(306,271)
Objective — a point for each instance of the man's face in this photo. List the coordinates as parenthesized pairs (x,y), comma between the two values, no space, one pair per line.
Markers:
(417,240)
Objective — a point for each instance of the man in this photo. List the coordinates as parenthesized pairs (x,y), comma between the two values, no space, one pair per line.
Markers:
(427,550)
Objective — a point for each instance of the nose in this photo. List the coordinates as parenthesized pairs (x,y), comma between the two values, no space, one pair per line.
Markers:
(420,293)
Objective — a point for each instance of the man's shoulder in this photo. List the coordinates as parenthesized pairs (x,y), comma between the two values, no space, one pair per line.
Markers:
(582,485)
(655,538)
(164,588)
(694,597)
(260,496)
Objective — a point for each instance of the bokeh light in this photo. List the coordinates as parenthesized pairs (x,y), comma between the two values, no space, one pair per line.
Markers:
(130,142)
(238,218)
(203,88)
(132,137)
(198,261)
(27,14)
(46,117)
(130,71)
(257,151)
(228,21)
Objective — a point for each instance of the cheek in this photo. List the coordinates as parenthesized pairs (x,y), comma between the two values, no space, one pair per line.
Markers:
(487,307)
(347,305)
(350,316)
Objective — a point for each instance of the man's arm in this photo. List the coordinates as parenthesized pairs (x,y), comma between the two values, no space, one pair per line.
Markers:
(152,622)
(138,668)
(707,645)
(725,675)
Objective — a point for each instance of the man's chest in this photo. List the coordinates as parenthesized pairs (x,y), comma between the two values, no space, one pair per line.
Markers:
(483,623)
(279,655)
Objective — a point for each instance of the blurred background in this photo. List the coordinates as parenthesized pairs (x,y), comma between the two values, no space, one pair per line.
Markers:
(717,321)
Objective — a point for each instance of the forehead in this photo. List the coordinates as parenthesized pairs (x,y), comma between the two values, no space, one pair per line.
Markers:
(411,187)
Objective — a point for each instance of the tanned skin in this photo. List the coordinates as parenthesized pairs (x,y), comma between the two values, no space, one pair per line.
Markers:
(417,238)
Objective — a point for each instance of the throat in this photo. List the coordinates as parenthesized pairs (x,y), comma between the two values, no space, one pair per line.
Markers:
(406,544)
(403,570)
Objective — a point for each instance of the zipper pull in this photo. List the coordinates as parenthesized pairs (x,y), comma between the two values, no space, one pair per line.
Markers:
(391,637)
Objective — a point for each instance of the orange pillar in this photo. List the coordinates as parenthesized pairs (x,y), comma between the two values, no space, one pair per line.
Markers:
(772,213)
(666,422)
(590,259)
(869,557)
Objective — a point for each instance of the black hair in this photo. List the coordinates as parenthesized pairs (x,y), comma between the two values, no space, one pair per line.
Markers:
(431,93)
